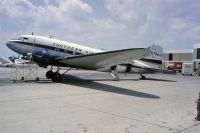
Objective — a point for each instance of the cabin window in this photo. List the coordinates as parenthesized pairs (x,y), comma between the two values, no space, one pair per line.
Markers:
(70,52)
(61,50)
(76,53)
(56,49)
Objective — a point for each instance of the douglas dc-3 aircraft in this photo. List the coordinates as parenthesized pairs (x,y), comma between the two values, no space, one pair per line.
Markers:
(46,51)
(4,62)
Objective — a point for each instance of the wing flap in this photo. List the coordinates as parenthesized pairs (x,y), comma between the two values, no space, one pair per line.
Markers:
(105,59)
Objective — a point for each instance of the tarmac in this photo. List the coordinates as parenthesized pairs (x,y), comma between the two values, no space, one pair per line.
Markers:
(89,101)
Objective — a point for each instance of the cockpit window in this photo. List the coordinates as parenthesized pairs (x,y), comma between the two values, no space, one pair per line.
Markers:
(20,38)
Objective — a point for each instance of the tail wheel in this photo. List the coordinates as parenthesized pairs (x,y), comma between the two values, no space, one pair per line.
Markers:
(142,77)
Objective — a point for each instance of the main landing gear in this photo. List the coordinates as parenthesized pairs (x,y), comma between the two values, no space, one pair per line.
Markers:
(115,75)
(142,77)
(55,76)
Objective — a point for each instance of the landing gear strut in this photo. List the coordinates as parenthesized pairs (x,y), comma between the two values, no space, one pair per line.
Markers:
(115,75)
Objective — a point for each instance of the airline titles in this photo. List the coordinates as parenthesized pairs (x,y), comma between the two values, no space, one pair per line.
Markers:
(71,48)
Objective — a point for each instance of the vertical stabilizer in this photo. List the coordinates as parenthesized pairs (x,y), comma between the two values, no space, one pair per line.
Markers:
(156,53)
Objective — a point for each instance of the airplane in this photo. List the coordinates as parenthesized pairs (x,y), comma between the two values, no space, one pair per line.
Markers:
(47,51)
(4,62)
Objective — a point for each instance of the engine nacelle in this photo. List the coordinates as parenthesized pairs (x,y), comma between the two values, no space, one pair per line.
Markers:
(43,57)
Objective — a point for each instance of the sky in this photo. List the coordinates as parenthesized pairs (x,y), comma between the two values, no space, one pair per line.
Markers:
(104,24)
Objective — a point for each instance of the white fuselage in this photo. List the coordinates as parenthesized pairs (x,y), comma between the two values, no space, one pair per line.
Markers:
(27,43)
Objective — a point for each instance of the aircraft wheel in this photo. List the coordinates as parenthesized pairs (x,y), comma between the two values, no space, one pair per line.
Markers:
(49,74)
(143,77)
(57,77)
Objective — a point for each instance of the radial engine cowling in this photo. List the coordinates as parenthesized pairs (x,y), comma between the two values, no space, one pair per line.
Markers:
(43,57)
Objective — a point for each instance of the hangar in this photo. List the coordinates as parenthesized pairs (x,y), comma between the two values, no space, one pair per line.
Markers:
(178,55)
(174,60)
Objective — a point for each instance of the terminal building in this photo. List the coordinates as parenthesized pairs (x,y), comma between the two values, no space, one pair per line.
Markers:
(196,52)
(178,55)
(173,60)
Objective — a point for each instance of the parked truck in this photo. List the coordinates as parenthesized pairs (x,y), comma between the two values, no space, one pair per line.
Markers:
(175,66)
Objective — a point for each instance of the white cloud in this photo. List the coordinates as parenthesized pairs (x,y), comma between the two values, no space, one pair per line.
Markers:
(128,10)
(17,9)
(166,22)
(63,14)
(121,10)
(177,24)
(74,20)
(122,24)
(69,19)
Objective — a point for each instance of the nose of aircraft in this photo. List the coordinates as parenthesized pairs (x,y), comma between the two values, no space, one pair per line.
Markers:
(10,45)
(14,46)
(7,44)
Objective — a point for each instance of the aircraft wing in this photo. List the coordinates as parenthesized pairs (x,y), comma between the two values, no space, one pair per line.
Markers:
(105,59)
(148,65)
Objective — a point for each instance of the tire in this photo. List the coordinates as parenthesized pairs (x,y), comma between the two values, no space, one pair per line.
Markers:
(142,77)
(49,74)
(57,77)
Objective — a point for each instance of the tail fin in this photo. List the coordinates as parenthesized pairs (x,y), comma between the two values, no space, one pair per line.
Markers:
(156,54)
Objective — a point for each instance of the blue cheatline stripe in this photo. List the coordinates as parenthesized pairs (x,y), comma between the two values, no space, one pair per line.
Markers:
(48,47)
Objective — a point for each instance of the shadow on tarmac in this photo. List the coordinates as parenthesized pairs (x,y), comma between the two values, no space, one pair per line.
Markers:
(91,84)
(4,81)
(165,80)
